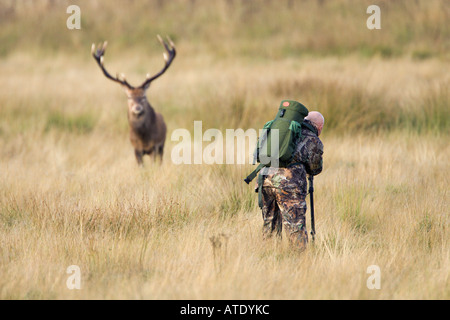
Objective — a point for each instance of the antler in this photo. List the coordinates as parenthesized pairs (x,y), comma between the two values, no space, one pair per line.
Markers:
(98,56)
(170,48)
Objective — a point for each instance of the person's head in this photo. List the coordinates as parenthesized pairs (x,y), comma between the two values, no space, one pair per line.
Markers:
(317,120)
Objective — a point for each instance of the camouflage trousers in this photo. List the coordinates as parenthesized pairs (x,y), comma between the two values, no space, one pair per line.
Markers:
(285,208)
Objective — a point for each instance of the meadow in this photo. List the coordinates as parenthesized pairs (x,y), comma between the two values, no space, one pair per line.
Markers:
(72,194)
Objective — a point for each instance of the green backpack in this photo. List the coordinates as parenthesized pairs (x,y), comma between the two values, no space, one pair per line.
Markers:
(288,123)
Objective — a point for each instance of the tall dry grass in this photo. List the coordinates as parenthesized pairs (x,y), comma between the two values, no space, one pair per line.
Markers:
(71,193)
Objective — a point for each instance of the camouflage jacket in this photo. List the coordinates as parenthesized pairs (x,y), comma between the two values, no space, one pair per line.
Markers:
(307,160)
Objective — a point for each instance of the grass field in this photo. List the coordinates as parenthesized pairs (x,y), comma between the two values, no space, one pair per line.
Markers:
(72,194)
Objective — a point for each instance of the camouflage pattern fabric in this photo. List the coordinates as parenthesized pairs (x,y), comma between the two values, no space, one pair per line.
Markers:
(284,191)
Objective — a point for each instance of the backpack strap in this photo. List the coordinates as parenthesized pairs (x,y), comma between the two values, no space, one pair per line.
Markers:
(296,129)
(260,182)
(310,127)
(254,173)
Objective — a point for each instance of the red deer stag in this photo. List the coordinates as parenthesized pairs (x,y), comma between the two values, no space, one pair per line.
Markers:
(147,127)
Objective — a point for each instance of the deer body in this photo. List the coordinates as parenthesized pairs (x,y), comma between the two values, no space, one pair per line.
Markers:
(147,127)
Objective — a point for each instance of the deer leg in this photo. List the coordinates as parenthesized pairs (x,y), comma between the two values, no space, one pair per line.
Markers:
(161,152)
(154,153)
(139,155)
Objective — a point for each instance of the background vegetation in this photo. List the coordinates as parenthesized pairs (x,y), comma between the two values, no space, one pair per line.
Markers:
(71,193)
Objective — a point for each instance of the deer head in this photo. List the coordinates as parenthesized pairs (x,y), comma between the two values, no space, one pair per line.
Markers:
(148,129)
